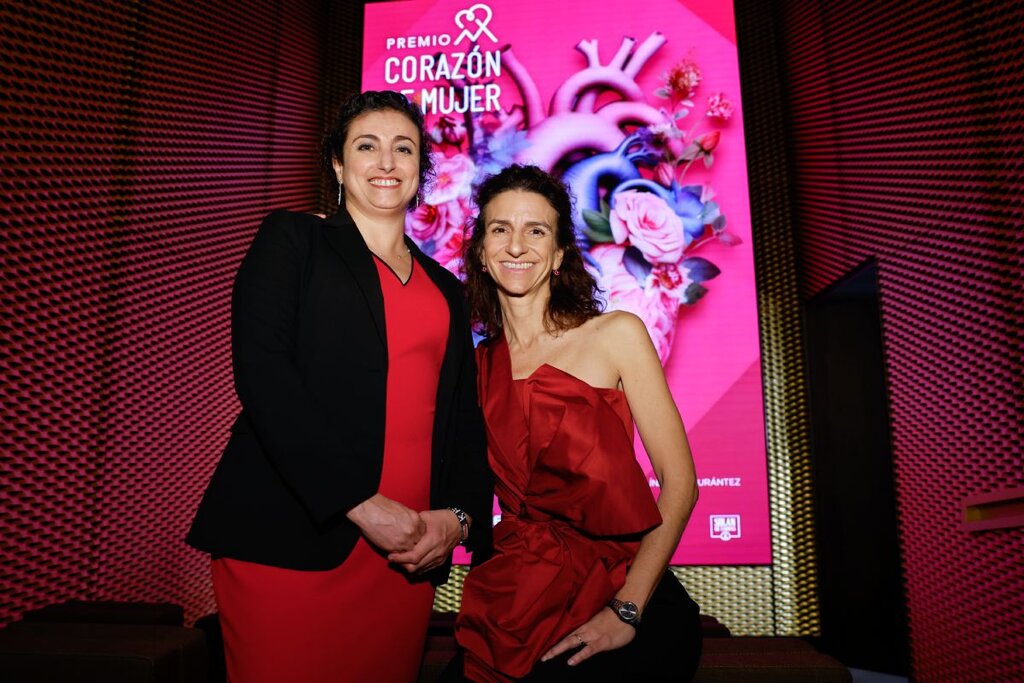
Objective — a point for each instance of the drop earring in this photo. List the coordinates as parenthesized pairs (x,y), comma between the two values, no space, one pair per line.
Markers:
(339,194)
(483,268)
(554,273)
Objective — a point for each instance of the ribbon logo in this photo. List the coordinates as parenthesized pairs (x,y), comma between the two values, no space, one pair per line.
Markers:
(479,15)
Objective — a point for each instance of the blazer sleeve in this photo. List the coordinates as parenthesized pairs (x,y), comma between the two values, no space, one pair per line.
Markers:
(305,445)
(471,482)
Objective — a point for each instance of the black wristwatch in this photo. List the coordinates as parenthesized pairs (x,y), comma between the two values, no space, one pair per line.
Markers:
(627,612)
(463,523)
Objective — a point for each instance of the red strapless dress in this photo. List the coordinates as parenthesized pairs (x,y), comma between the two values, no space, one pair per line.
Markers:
(574,502)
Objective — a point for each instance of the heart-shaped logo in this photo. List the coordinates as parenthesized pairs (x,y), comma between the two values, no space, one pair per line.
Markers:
(473,22)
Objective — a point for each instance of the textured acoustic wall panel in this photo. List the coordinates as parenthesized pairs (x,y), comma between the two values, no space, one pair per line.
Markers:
(793,577)
(907,135)
(742,598)
(340,78)
(62,111)
(142,143)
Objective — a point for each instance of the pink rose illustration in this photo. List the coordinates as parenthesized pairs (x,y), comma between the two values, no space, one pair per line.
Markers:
(449,250)
(452,180)
(649,224)
(435,221)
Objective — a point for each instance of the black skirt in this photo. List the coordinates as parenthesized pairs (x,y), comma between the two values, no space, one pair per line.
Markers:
(668,642)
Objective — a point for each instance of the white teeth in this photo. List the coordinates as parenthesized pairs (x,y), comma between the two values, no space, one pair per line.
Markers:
(381,182)
(515,265)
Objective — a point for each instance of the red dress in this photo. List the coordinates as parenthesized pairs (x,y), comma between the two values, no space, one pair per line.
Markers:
(570,489)
(364,620)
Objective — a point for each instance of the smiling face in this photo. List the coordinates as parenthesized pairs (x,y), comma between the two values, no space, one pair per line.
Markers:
(519,246)
(380,164)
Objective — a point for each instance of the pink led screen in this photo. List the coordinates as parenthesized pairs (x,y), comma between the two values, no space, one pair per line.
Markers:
(637,107)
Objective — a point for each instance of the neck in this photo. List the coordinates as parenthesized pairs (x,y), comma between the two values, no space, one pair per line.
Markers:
(523,318)
(384,234)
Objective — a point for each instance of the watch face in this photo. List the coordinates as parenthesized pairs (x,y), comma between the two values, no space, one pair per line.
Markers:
(628,611)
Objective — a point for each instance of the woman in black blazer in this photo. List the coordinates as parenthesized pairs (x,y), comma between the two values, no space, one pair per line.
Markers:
(314,566)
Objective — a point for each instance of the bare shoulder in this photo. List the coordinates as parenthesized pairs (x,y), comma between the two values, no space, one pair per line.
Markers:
(621,340)
(619,329)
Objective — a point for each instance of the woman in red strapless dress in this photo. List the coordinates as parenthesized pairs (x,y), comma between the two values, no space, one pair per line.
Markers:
(577,588)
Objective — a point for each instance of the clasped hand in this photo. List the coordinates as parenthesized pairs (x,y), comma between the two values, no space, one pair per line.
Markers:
(416,541)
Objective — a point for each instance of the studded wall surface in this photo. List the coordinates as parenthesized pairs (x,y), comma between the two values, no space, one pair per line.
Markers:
(907,134)
(341,74)
(142,143)
(793,578)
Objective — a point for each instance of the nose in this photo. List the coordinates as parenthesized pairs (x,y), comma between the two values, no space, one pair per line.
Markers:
(515,244)
(386,159)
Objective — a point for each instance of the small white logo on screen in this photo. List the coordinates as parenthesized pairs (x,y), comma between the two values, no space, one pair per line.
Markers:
(725,527)
(473,22)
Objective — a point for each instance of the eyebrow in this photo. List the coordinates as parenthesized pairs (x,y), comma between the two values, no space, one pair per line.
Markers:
(376,138)
(529,224)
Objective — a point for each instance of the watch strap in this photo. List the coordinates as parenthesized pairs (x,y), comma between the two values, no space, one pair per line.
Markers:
(463,523)
(627,612)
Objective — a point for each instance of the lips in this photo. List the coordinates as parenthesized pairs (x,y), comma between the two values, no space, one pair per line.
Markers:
(385,182)
(516,265)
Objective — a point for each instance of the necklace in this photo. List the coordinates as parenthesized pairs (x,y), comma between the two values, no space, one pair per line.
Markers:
(400,255)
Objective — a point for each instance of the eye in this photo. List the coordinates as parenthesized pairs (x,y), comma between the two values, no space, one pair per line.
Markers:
(405,149)
(495,229)
(538,232)
(364,146)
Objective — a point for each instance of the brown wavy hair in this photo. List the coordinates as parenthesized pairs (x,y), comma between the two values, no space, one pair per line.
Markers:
(574,292)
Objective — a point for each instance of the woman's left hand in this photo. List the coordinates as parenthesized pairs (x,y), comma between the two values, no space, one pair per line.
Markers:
(443,533)
(605,631)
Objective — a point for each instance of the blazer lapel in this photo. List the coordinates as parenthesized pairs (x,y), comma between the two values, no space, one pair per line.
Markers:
(343,235)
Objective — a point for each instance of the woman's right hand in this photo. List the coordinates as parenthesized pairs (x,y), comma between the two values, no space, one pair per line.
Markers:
(388,524)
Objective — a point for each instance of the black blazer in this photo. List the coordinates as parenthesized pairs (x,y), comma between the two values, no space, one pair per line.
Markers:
(309,350)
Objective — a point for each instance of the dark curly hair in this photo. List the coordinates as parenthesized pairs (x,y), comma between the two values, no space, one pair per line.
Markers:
(574,291)
(376,100)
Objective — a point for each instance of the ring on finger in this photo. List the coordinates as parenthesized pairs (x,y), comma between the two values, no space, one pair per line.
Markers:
(578,637)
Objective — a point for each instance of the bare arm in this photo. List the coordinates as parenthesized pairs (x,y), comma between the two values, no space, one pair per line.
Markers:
(624,340)
(661,430)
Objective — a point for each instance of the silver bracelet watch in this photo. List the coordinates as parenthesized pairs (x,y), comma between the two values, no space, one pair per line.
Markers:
(463,523)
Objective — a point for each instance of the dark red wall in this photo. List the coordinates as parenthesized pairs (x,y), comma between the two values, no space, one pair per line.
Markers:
(142,143)
(906,139)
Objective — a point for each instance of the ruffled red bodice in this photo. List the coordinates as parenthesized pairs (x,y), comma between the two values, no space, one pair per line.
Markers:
(574,502)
